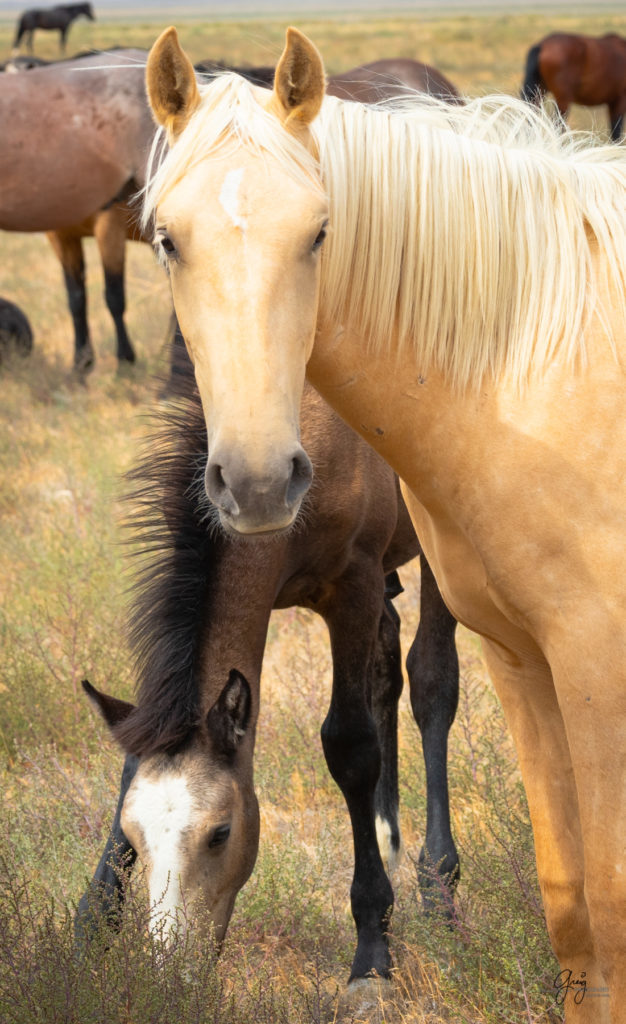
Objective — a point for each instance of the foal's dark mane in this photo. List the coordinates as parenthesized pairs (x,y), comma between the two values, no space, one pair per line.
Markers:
(178,548)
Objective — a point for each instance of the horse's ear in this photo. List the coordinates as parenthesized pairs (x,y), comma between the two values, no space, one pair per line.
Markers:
(299,82)
(228,719)
(112,710)
(171,84)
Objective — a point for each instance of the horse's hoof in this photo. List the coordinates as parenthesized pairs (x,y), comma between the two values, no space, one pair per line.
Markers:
(364,1000)
(84,361)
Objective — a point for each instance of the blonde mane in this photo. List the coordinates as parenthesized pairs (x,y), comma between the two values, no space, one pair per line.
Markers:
(463,231)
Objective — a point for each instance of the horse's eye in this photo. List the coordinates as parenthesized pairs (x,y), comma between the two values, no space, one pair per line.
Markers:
(320,238)
(167,245)
(218,836)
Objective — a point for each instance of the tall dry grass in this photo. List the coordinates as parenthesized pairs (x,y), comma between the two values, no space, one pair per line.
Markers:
(63,447)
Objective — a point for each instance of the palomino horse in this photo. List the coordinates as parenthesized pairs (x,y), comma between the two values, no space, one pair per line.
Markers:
(199,629)
(579,69)
(68,218)
(50,18)
(391,256)
(75,145)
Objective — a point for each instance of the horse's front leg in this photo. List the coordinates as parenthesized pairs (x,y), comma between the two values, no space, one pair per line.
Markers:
(110,230)
(350,741)
(433,669)
(69,249)
(102,902)
(385,687)
(616,118)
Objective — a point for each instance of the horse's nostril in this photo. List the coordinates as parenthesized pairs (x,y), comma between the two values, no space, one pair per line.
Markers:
(218,490)
(300,480)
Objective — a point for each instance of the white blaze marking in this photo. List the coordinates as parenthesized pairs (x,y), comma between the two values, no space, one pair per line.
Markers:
(163,810)
(229,198)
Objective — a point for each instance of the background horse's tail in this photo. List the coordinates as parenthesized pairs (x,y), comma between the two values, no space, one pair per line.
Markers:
(534,86)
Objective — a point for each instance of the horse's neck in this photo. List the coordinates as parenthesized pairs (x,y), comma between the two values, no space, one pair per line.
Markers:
(243,587)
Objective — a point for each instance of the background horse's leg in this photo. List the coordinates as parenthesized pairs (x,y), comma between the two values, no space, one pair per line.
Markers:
(69,249)
(110,231)
(350,742)
(385,689)
(102,902)
(180,364)
(616,118)
(433,669)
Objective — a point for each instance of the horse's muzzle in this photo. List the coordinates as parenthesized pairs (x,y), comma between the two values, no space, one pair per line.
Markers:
(254,503)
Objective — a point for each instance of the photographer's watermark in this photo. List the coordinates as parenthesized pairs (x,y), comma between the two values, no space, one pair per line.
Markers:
(567,984)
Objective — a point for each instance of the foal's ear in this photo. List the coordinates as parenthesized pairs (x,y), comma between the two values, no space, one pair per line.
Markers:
(299,82)
(171,84)
(228,719)
(112,710)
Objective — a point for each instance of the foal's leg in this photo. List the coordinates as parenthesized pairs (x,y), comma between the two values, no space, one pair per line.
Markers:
(385,689)
(104,898)
(69,249)
(352,750)
(433,669)
(110,231)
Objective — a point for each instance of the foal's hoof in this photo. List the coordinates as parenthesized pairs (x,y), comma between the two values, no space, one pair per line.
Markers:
(84,361)
(364,1000)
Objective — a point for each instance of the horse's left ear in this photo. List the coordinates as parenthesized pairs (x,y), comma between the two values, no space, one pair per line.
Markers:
(112,709)
(171,84)
(228,719)
(299,82)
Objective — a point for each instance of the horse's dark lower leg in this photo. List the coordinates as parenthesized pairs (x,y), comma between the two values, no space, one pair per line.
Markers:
(77,298)
(616,117)
(102,902)
(180,363)
(433,669)
(352,751)
(385,689)
(116,302)
(110,231)
(69,250)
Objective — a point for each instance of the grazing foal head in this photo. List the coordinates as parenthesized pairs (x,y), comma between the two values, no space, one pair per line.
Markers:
(192,814)
(240,229)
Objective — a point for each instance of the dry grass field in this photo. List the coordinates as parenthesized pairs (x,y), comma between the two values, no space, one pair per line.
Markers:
(63,448)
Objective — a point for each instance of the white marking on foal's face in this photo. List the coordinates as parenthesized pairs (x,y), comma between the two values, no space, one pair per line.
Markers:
(229,197)
(162,809)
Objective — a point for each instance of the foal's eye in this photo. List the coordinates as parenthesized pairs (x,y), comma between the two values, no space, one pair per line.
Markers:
(218,836)
(317,244)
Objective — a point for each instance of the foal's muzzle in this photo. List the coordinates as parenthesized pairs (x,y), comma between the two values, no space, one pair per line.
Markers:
(251,503)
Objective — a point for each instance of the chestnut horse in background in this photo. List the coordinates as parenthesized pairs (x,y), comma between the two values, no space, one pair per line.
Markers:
(579,69)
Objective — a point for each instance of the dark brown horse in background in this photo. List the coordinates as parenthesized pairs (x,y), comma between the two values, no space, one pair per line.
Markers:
(579,69)
(50,18)
(199,627)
